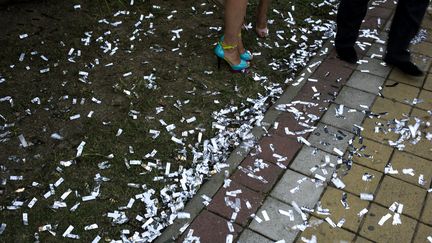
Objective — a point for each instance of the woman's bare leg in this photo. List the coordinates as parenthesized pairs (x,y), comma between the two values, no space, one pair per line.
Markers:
(235,12)
(261,18)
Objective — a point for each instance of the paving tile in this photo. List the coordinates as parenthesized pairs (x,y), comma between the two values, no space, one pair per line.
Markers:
(325,233)
(332,70)
(307,194)
(428,82)
(354,183)
(424,48)
(218,205)
(282,145)
(286,120)
(346,121)
(426,216)
(426,96)
(383,13)
(381,154)
(377,49)
(309,158)
(249,236)
(354,98)
(398,76)
(394,190)
(423,148)
(279,226)
(387,232)
(369,125)
(422,62)
(366,81)
(210,228)
(268,172)
(402,160)
(329,140)
(423,232)
(331,200)
(395,110)
(400,92)
(362,240)
(376,67)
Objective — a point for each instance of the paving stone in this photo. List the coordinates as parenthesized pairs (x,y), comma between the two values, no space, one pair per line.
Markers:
(387,232)
(329,140)
(395,110)
(381,154)
(308,158)
(286,120)
(282,145)
(369,125)
(383,13)
(332,70)
(354,98)
(269,174)
(426,216)
(376,67)
(362,240)
(346,121)
(424,48)
(428,82)
(394,190)
(307,194)
(400,92)
(423,232)
(354,183)
(367,81)
(426,96)
(377,49)
(210,228)
(423,148)
(402,160)
(427,23)
(218,205)
(422,62)
(325,233)
(248,236)
(332,200)
(279,226)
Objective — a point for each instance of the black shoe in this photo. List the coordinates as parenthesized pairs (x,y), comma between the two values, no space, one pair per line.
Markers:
(347,54)
(405,66)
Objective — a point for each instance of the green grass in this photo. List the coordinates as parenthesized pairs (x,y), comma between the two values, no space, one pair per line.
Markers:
(175,76)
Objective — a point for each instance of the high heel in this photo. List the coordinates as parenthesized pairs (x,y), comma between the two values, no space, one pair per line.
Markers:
(220,53)
(246,55)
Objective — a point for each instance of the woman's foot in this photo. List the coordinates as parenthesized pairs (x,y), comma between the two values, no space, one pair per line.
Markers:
(262,32)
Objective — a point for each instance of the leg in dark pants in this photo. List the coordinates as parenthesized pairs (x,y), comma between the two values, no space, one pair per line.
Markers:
(406,23)
(349,18)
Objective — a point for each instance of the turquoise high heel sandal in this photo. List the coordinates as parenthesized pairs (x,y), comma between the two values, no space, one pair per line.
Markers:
(246,55)
(220,53)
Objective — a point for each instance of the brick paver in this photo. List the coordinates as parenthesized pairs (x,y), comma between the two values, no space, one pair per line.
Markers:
(265,193)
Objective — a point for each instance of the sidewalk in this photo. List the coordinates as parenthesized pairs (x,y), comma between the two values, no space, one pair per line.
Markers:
(371,95)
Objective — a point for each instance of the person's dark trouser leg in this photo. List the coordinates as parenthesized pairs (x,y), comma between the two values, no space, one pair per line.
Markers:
(406,23)
(349,18)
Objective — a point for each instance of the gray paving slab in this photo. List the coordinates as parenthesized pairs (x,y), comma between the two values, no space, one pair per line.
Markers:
(345,121)
(309,158)
(327,138)
(298,188)
(279,226)
(377,49)
(248,236)
(366,81)
(374,66)
(353,98)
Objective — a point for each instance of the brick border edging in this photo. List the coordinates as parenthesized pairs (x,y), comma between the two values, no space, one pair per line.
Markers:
(209,188)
